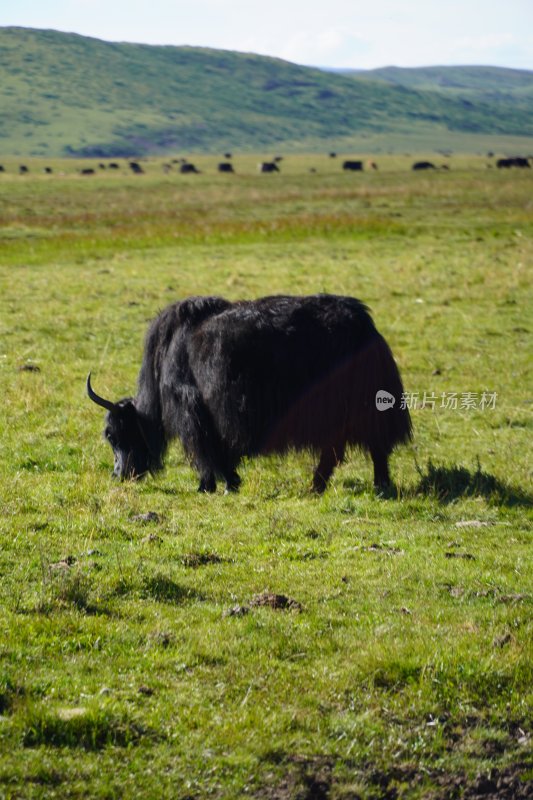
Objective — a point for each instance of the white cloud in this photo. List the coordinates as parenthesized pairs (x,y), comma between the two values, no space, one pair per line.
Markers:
(347,33)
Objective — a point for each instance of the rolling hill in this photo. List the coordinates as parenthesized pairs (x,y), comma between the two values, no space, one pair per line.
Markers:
(65,94)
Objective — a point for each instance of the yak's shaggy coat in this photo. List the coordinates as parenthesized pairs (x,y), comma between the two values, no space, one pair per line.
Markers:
(241,379)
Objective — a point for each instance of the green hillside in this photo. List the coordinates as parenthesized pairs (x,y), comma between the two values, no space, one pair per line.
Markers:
(64,94)
(499,88)
(484,83)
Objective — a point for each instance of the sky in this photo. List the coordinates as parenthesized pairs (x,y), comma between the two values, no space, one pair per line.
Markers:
(358,34)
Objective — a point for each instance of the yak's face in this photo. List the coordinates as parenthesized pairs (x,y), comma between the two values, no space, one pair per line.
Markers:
(124,434)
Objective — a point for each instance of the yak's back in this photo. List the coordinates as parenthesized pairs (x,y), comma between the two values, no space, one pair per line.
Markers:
(284,337)
(279,358)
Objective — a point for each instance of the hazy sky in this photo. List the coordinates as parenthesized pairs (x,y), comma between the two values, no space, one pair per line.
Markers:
(334,33)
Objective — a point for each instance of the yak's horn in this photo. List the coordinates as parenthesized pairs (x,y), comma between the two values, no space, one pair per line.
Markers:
(97,399)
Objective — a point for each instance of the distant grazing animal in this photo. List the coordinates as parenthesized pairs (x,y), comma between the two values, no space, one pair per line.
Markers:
(228,155)
(23,169)
(267,166)
(114,165)
(87,171)
(136,168)
(277,159)
(225,167)
(333,155)
(423,165)
(372,165)
(48,170)
(353,166)
(2,168)
(516,161)
(189,169)
(255,377)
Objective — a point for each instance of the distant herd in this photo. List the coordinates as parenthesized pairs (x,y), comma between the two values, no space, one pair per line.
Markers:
(185,167)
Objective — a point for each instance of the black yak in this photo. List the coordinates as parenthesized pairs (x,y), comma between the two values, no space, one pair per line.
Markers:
(189,169)
(267,166)
(353,166)
(516,161)
(256,377)
(418,165)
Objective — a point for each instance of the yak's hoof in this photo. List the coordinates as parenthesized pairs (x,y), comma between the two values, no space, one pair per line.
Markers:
(232,484)
(319,486)
(385,489)
(207,486)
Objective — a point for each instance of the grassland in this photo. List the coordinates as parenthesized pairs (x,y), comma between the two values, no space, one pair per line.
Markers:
(133,660)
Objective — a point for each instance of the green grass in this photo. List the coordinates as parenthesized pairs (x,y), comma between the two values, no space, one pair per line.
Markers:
(133,659)
(62,94)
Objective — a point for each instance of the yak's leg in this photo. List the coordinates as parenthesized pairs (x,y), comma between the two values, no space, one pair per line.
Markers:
(195,429)
(233,481)
(232,478)
(330,457)
(381,469)
(207,482)
(228,470)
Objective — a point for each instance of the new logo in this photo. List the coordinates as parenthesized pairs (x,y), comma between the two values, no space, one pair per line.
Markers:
(384,400)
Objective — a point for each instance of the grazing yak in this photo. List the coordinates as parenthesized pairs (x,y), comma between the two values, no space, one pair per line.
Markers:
(225,166)
(255,377)
(516,161)
(267,166)
(188,169)
(353,166)
(423,165)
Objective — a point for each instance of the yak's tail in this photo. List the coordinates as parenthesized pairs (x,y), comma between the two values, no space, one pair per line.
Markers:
(379,418)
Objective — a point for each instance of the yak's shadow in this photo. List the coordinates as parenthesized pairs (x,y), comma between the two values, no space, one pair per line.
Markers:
(448,484)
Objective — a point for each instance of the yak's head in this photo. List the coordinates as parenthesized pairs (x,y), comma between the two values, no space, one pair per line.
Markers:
(125,433)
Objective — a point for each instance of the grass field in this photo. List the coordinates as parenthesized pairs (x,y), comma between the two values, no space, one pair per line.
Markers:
(139,655)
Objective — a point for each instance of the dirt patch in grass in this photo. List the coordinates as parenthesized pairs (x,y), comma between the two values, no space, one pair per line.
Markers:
(511,783)
(306,778)
(313,778)
(149,516)
(195,560)
(275,601)
(278,602)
